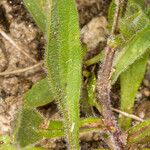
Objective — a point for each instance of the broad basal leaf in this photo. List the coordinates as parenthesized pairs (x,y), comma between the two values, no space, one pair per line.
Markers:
(27,127)
(63,62)
(38,95)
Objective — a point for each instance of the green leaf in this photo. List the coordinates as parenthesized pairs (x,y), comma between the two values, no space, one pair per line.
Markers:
(36,9)
(139,133)
(133,51)
(5,143)
(91,89)
(63,62)
(39,94)
(90,120)
(130,82)
(132,28)
(111,12)
(141,3)
(95,59)
(27,127)
(56,127)
(129,25)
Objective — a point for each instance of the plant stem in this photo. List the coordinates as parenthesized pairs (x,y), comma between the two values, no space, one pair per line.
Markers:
(103,89)
(103,92)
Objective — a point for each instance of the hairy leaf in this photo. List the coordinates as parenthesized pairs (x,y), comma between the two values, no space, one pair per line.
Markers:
(130,82)
(39,94)
(132,27)
(36,9)
(63,62)
(89,121)
(139,133)
(51,133)
(131,24)
(141,3)
(55,128)
(133,51)
(27,127)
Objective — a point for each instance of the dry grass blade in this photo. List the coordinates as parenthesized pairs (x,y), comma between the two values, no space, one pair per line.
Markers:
(18,71)
(8,38)
(128,115)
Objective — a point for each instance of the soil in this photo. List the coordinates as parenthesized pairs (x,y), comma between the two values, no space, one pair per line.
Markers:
(17,23)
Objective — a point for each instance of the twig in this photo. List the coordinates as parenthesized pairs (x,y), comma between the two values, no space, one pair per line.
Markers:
(6,73)
(8,38)
(128,115)
(103,89)
(2,46)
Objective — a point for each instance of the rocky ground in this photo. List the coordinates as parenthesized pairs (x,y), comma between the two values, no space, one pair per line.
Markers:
(22,47)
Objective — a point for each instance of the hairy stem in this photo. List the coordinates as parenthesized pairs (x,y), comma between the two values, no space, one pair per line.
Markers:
(103,92)
(103,89)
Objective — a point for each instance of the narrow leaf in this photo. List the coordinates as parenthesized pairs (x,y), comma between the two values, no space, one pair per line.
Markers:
(133,51)
(56,127)
(139,133)
(111,12)
(63,62)
(91,89)
(129,25)
(36,9)
(130,82)
(89,121)
(95,59)
(51,133)
(141,3)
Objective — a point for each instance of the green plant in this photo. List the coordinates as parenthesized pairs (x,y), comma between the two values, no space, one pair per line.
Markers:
(59,22)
